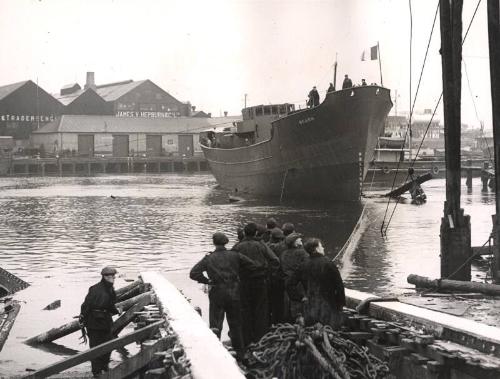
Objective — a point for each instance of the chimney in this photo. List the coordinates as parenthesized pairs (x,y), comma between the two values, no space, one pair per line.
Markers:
(193,108)
(90,83)
(225,113)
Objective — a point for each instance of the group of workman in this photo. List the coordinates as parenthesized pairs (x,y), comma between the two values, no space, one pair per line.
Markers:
(313,96)
(268,277)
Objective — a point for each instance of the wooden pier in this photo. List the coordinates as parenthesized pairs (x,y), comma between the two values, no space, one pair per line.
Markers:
(84,166)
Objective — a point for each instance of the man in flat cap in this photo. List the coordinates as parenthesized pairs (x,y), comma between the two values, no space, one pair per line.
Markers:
(96,316)
(223,270)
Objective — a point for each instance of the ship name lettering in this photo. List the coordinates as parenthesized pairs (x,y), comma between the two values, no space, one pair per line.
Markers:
(306,120)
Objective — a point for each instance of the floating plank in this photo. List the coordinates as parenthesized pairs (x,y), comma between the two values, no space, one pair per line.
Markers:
(406,187)
(454,285)
(7,321)
(73,326)
(54,305)
(137,336)
(208,357)
(140,360)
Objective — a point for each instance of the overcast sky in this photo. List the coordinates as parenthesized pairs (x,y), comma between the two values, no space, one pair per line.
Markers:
(213,52)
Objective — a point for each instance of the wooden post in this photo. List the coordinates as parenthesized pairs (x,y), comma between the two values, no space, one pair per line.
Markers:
(137,336)
(494,47)
(455,226)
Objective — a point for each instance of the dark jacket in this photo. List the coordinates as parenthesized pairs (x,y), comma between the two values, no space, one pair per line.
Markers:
(291,259)
(263,257)
(277,247)
(347,83)
(99,306)
(222,267)
(321,280)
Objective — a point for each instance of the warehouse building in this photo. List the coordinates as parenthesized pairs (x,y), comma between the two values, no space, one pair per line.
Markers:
(25,107)
(126,136)
(80,101)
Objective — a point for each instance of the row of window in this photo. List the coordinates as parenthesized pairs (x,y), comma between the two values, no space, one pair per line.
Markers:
(268,110)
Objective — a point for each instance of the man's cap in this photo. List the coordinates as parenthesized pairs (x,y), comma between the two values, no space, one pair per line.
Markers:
(219,239)
(108,270)
(290,239)
(287,228)
(271,223)
(277,233)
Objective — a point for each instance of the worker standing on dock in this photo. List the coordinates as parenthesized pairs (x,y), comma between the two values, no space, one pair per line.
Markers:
(254,284)
(324,295)
(223,268)
(291,259)
(96,316)
(276,285)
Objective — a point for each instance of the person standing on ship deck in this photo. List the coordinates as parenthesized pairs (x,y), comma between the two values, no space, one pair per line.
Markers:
(347,82)
(313,98)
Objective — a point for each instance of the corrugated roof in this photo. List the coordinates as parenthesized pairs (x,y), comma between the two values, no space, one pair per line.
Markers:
(112,92)
(69,98)
(112,124)
(9,88)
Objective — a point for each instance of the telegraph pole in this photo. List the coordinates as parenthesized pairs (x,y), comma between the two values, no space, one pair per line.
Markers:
(494,47)
(455,226)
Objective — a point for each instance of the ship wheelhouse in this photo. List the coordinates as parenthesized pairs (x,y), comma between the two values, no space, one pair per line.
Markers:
(255,127)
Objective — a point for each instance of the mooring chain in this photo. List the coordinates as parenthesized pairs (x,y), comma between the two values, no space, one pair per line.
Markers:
(295,351)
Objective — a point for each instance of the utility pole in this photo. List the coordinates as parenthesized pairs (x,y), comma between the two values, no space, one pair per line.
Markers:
(494,47)
(455,226)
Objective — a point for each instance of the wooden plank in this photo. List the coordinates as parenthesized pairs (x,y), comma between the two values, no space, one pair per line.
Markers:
(122,321)
(120,291)
(73,326)
(137,336)
(208,357)
(140,360)
(7,322)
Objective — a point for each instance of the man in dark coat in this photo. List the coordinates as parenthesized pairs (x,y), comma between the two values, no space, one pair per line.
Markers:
(223,268)
(254,286)
(96,316)
(313,98)
(288,228)
(331,88)
(347,82)
(277,286)
(291,259)
(324,295)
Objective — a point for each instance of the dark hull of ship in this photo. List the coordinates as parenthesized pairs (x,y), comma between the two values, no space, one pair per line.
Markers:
(319,153)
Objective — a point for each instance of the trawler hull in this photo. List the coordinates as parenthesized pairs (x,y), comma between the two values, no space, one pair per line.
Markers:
(316,153)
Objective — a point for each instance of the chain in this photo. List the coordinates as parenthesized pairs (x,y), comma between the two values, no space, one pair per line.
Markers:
(296,351)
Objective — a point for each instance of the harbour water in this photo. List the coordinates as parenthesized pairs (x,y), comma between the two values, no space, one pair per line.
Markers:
(57,233)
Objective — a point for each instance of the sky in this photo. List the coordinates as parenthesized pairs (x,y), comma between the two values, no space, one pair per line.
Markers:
(212,53)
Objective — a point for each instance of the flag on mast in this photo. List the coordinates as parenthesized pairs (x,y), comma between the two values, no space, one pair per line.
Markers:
(370,54)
